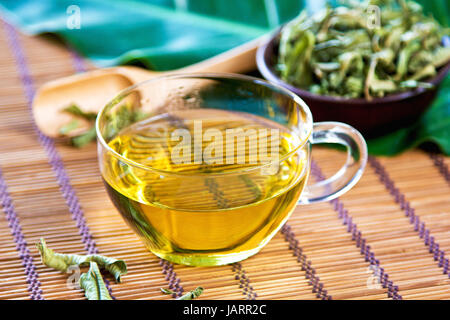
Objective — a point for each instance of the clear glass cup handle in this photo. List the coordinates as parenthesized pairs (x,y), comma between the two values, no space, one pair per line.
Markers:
(351,171)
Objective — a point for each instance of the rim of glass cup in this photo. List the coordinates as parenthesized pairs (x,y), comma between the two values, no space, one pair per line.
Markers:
(208,76)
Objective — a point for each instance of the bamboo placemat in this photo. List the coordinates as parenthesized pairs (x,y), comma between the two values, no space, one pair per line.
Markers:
(385,239)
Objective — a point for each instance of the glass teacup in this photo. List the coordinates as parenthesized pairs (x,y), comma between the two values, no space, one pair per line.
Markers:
(206,168)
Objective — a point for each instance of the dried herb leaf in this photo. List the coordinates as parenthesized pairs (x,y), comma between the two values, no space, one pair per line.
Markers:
(123,116)
(441,56)
(72,125)
(192,294)
(415,84)
(93,285)
(75,110)
(188,296)
(339,52)
(166,291)
(61,262)
(84,138)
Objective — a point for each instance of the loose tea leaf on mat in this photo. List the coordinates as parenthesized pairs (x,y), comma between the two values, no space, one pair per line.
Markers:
(93,285)
(192,294)
(167,291)
(61,262)
(187,296)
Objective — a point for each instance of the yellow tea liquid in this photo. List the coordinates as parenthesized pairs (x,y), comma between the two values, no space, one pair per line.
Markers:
(201,212)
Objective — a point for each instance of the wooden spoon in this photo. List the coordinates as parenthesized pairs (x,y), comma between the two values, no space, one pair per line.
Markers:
(93,89)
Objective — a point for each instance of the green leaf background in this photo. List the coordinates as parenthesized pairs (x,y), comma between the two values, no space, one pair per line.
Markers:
(169,34)
(161,34)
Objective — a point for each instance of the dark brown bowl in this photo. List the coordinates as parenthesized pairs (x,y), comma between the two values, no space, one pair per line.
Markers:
(372,118)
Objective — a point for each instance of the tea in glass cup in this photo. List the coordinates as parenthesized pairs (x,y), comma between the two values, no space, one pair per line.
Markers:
(206,168)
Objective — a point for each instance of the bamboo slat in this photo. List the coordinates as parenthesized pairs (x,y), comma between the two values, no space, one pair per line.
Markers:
(327,250)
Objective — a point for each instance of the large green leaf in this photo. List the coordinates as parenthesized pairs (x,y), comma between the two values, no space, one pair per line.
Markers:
(433,126)
(440,9)
(162,34)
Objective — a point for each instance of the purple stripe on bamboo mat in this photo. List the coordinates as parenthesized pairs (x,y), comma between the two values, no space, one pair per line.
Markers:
(21,244)
(171,278)
(438,162)
(244,281)
(419,226)
(289,236)
(306,265)
(167,267)
(54,158)
(240,275)
(369,255)
(78,63)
